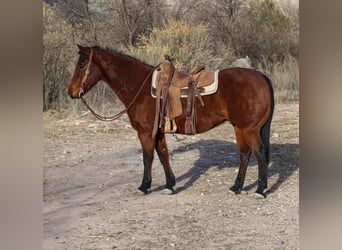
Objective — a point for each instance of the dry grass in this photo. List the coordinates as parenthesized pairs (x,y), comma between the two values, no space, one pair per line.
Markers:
(285,79)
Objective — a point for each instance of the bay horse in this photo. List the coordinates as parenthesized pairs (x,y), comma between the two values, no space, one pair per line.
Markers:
(244,98)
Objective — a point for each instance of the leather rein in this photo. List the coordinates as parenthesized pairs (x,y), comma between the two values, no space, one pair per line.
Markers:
(116,116)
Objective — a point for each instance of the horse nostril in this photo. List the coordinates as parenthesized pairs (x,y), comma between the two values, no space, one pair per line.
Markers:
(70,93)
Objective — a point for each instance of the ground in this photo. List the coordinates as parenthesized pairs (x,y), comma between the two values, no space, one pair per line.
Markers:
(92,170)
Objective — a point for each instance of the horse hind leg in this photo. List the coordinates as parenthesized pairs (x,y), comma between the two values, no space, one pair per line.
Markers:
(245,153)
(260,151)
(262,170)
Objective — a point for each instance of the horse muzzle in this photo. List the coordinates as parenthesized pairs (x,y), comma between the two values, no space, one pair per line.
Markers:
(75,94)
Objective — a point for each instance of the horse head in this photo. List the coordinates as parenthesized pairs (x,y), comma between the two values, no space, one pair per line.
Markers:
(86,74)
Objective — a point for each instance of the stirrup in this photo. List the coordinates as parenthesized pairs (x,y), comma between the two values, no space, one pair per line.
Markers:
(170,125)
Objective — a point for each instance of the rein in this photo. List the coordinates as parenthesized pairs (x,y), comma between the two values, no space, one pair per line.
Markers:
(116,116)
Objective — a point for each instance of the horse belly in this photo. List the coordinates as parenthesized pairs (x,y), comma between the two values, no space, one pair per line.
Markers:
(212,114)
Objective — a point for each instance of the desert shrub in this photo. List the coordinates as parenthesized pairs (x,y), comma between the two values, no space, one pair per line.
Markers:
(187,45)
(264,32)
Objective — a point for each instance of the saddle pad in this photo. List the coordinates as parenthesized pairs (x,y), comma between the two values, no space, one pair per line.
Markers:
(206,90)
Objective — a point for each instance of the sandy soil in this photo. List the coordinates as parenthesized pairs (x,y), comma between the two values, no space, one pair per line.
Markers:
(92,170)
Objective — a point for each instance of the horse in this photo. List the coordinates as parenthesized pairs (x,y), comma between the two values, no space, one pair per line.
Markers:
(244,98)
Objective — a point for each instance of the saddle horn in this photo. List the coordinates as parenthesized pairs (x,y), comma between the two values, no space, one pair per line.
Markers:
(167,58)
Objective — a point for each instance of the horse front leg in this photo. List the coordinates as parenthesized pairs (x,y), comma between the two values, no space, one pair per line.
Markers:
(147,143)
(163,155)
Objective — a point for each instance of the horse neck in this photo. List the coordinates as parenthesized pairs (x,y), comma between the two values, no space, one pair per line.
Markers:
(124,75)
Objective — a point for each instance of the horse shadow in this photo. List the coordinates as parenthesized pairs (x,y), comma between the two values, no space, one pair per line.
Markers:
(221,154)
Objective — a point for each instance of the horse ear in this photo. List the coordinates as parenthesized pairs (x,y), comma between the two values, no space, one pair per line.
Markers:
(80,47)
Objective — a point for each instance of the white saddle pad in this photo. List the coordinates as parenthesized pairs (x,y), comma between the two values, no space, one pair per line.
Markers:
(207,90)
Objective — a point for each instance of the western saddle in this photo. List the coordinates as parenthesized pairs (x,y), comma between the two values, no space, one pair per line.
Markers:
(170,86)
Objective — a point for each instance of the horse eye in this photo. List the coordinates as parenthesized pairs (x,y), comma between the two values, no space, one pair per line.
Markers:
(82,64)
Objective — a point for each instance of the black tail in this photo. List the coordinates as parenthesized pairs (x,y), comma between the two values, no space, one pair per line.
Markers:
(265,130)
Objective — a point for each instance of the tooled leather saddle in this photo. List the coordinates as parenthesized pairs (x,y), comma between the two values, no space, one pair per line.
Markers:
(170,85)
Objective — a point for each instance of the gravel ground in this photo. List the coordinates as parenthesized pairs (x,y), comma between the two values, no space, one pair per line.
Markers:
(92,171)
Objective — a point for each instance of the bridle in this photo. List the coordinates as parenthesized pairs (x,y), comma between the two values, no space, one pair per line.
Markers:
(116,116)
(86,73)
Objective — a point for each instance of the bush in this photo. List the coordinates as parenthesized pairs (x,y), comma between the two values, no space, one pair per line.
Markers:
(187,45)
(58,58)
(264,32)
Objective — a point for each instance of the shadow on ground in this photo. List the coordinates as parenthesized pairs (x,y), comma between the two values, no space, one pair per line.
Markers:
(223,154)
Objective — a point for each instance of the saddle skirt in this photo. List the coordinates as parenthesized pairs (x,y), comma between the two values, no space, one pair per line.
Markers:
(207,82)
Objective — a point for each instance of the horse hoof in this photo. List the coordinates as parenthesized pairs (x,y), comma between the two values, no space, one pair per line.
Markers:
(259,196)
(244,192)
(230,191)
(140,192)
(167,191)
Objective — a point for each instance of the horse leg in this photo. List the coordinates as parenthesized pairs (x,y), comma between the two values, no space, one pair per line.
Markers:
(245,153)
(261,154)
(147,143)
(163,155)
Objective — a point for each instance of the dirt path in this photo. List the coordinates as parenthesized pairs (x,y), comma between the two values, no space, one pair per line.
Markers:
(92,170)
